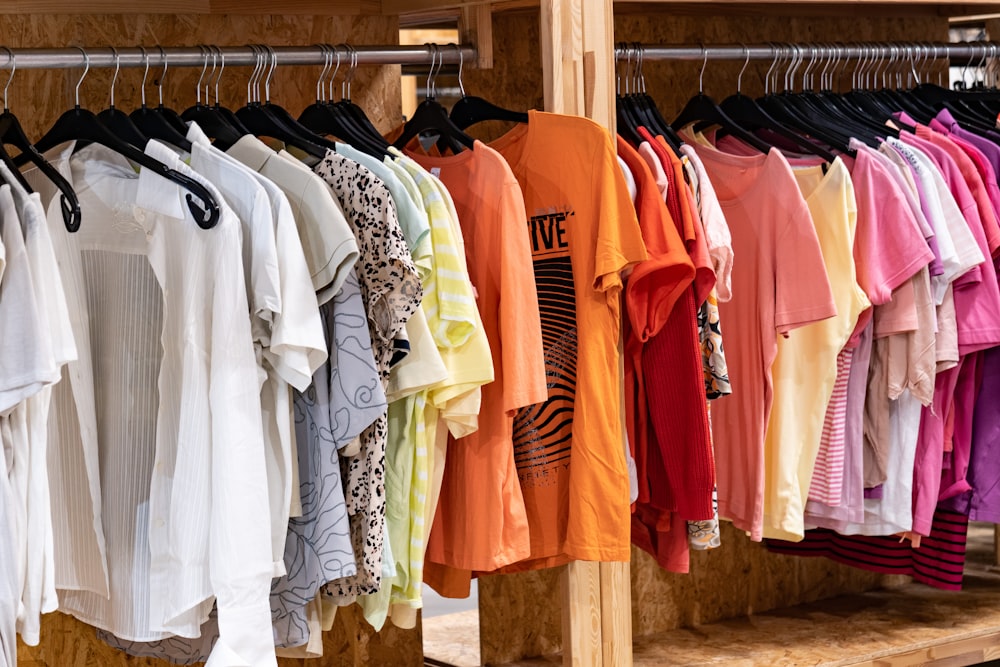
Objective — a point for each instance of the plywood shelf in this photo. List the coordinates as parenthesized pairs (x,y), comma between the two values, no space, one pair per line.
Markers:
(908,625)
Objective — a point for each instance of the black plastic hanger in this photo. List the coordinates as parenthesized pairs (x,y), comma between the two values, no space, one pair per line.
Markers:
(83,126)
(11,133)
(628,121)
(701,107)
(280,113)
(431,116)
(261,122)
(350,109)
(469,109)
(157,124)
(749,114)
(217,125)
(323,118)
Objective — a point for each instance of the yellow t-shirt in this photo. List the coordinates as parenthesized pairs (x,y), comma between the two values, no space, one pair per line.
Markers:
(805,368)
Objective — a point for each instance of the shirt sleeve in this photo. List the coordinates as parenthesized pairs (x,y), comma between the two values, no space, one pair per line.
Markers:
(240,550)
(802,288)
(619,240)
(889,248)
(297,347)
(656,283)
(520,322)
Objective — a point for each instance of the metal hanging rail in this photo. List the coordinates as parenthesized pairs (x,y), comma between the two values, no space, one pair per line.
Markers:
(968,51)
(235,56)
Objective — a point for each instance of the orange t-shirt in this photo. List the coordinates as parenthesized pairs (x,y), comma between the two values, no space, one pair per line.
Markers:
(480,522)
(583,232)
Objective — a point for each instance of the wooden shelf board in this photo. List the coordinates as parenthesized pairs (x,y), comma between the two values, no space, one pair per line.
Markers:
(905,626)
(314,7)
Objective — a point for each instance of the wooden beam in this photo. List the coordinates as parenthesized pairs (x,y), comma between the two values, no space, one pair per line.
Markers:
(475,27)
(616,614)
(301,7)
(581,584)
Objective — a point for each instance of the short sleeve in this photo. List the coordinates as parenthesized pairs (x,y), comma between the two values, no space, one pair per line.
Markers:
(802,291)
(523,357)
(889,247)
(656,283)
(619,241)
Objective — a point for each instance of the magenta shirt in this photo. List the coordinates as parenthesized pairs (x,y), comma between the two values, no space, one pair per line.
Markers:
(981,502)
(987,146)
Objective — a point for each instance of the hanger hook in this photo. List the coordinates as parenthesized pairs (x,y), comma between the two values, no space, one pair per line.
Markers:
(461,64)
(253,91)
(355,59)
(746,61)
(114,77)
(701,74)
(333,76)
(86,69)
(327,64)
(163,74)
(204,68)
(767,75)
(217,52)
(145,73)
(13,68)
(428,92)
(272,57)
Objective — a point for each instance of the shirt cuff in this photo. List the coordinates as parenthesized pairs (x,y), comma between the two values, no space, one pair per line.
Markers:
(245,638)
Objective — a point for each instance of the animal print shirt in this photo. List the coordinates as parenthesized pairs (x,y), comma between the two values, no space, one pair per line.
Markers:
(391,289)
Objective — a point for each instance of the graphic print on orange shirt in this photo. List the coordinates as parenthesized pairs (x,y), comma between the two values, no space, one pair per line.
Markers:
(543,432)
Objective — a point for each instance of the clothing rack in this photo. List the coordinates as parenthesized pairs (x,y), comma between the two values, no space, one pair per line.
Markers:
(970,52)
(233,56)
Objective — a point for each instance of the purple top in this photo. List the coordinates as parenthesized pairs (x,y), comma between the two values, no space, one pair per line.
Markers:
(988,148)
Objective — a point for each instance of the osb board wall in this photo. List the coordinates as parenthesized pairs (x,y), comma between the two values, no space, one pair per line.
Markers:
(66,642)
(39,96)
(520,614)
(672,83)
(516,80)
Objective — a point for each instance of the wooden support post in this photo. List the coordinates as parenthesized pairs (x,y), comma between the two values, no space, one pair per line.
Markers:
(582,624)
(475,27)
(577,44)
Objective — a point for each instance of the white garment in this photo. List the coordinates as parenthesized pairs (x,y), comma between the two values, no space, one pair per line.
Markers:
(720,242)
(9,592)
(329,244)
(38,594)
(160,317)
(287,332)
(25,345)
(956,244)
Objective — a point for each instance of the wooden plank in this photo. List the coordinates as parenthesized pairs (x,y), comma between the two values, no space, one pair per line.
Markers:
(581,584)
(616,615)
(301,7)
(476,27)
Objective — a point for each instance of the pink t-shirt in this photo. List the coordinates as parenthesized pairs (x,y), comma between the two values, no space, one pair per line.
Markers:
(783,285)
(977,304)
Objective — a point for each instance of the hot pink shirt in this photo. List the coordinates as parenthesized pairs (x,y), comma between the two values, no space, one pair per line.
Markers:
(783,285)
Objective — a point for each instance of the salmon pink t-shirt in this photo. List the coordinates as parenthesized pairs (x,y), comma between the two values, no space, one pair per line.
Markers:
(780,284)
(481,523)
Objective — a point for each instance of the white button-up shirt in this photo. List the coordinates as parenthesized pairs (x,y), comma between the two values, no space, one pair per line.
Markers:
(286,324)
(160,314)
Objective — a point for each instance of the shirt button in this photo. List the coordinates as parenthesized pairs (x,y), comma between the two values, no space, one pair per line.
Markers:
(159,523)
(161,467)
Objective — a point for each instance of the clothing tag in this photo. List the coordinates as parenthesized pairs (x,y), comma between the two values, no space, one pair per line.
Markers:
(436,172)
